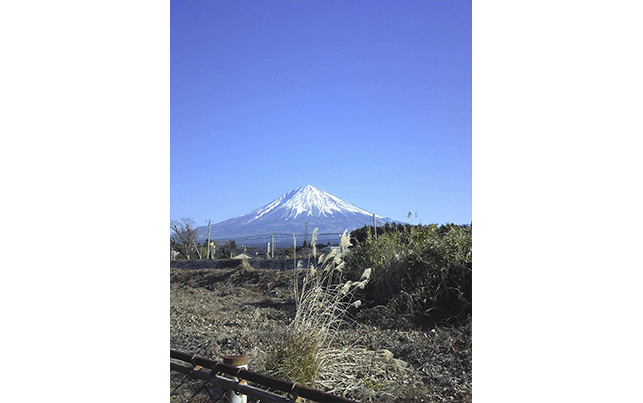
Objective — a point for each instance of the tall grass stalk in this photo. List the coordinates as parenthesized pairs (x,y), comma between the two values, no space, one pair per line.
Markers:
(321,308)
(295,266)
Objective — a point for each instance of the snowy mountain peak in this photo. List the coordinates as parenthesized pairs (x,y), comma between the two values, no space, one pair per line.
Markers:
(309,201)
(294,212)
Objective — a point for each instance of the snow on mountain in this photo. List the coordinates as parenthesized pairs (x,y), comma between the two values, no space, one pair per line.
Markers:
(310,201)
(291,212)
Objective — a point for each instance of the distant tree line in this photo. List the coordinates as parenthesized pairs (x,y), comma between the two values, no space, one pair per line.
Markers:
(185,246)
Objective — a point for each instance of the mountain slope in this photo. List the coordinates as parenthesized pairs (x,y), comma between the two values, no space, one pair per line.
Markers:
(289,214)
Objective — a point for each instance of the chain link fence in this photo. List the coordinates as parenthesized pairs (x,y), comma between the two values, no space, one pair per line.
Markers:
(201,380)
(184,389)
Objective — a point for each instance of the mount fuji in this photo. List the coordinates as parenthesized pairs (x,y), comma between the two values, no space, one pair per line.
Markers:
(298,211)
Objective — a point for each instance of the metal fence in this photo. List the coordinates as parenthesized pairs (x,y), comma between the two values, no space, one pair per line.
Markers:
(198,379)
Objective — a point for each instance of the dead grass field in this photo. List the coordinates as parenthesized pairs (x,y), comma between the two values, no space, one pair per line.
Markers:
(217,312)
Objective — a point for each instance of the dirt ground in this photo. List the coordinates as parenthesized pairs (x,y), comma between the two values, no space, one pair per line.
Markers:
(227,311)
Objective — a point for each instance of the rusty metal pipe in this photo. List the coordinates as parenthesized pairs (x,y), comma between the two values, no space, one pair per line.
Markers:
(228,384)
(294,389)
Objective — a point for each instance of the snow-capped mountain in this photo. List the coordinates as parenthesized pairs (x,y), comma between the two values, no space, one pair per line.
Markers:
(291,213)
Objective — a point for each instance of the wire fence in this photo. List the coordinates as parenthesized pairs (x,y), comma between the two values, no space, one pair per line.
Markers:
(201,380)
(185,389)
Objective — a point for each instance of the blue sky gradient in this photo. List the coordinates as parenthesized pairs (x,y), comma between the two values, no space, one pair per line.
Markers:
(367,100)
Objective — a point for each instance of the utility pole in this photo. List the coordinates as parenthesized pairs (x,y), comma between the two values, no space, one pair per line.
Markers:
(374,226)
(209,254)
(274,246)
(196,248)
(306,237)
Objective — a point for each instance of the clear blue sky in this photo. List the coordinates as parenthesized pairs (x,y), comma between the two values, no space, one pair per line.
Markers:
(367,100)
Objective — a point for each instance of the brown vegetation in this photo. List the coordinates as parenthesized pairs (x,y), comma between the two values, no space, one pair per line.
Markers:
(217,312)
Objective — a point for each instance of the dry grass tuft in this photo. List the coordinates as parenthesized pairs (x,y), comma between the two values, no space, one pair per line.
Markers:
(305,353)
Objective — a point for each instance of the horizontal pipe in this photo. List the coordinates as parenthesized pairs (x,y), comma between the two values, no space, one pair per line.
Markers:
(294,389)
(189,370)
(229,384)
(180,356)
